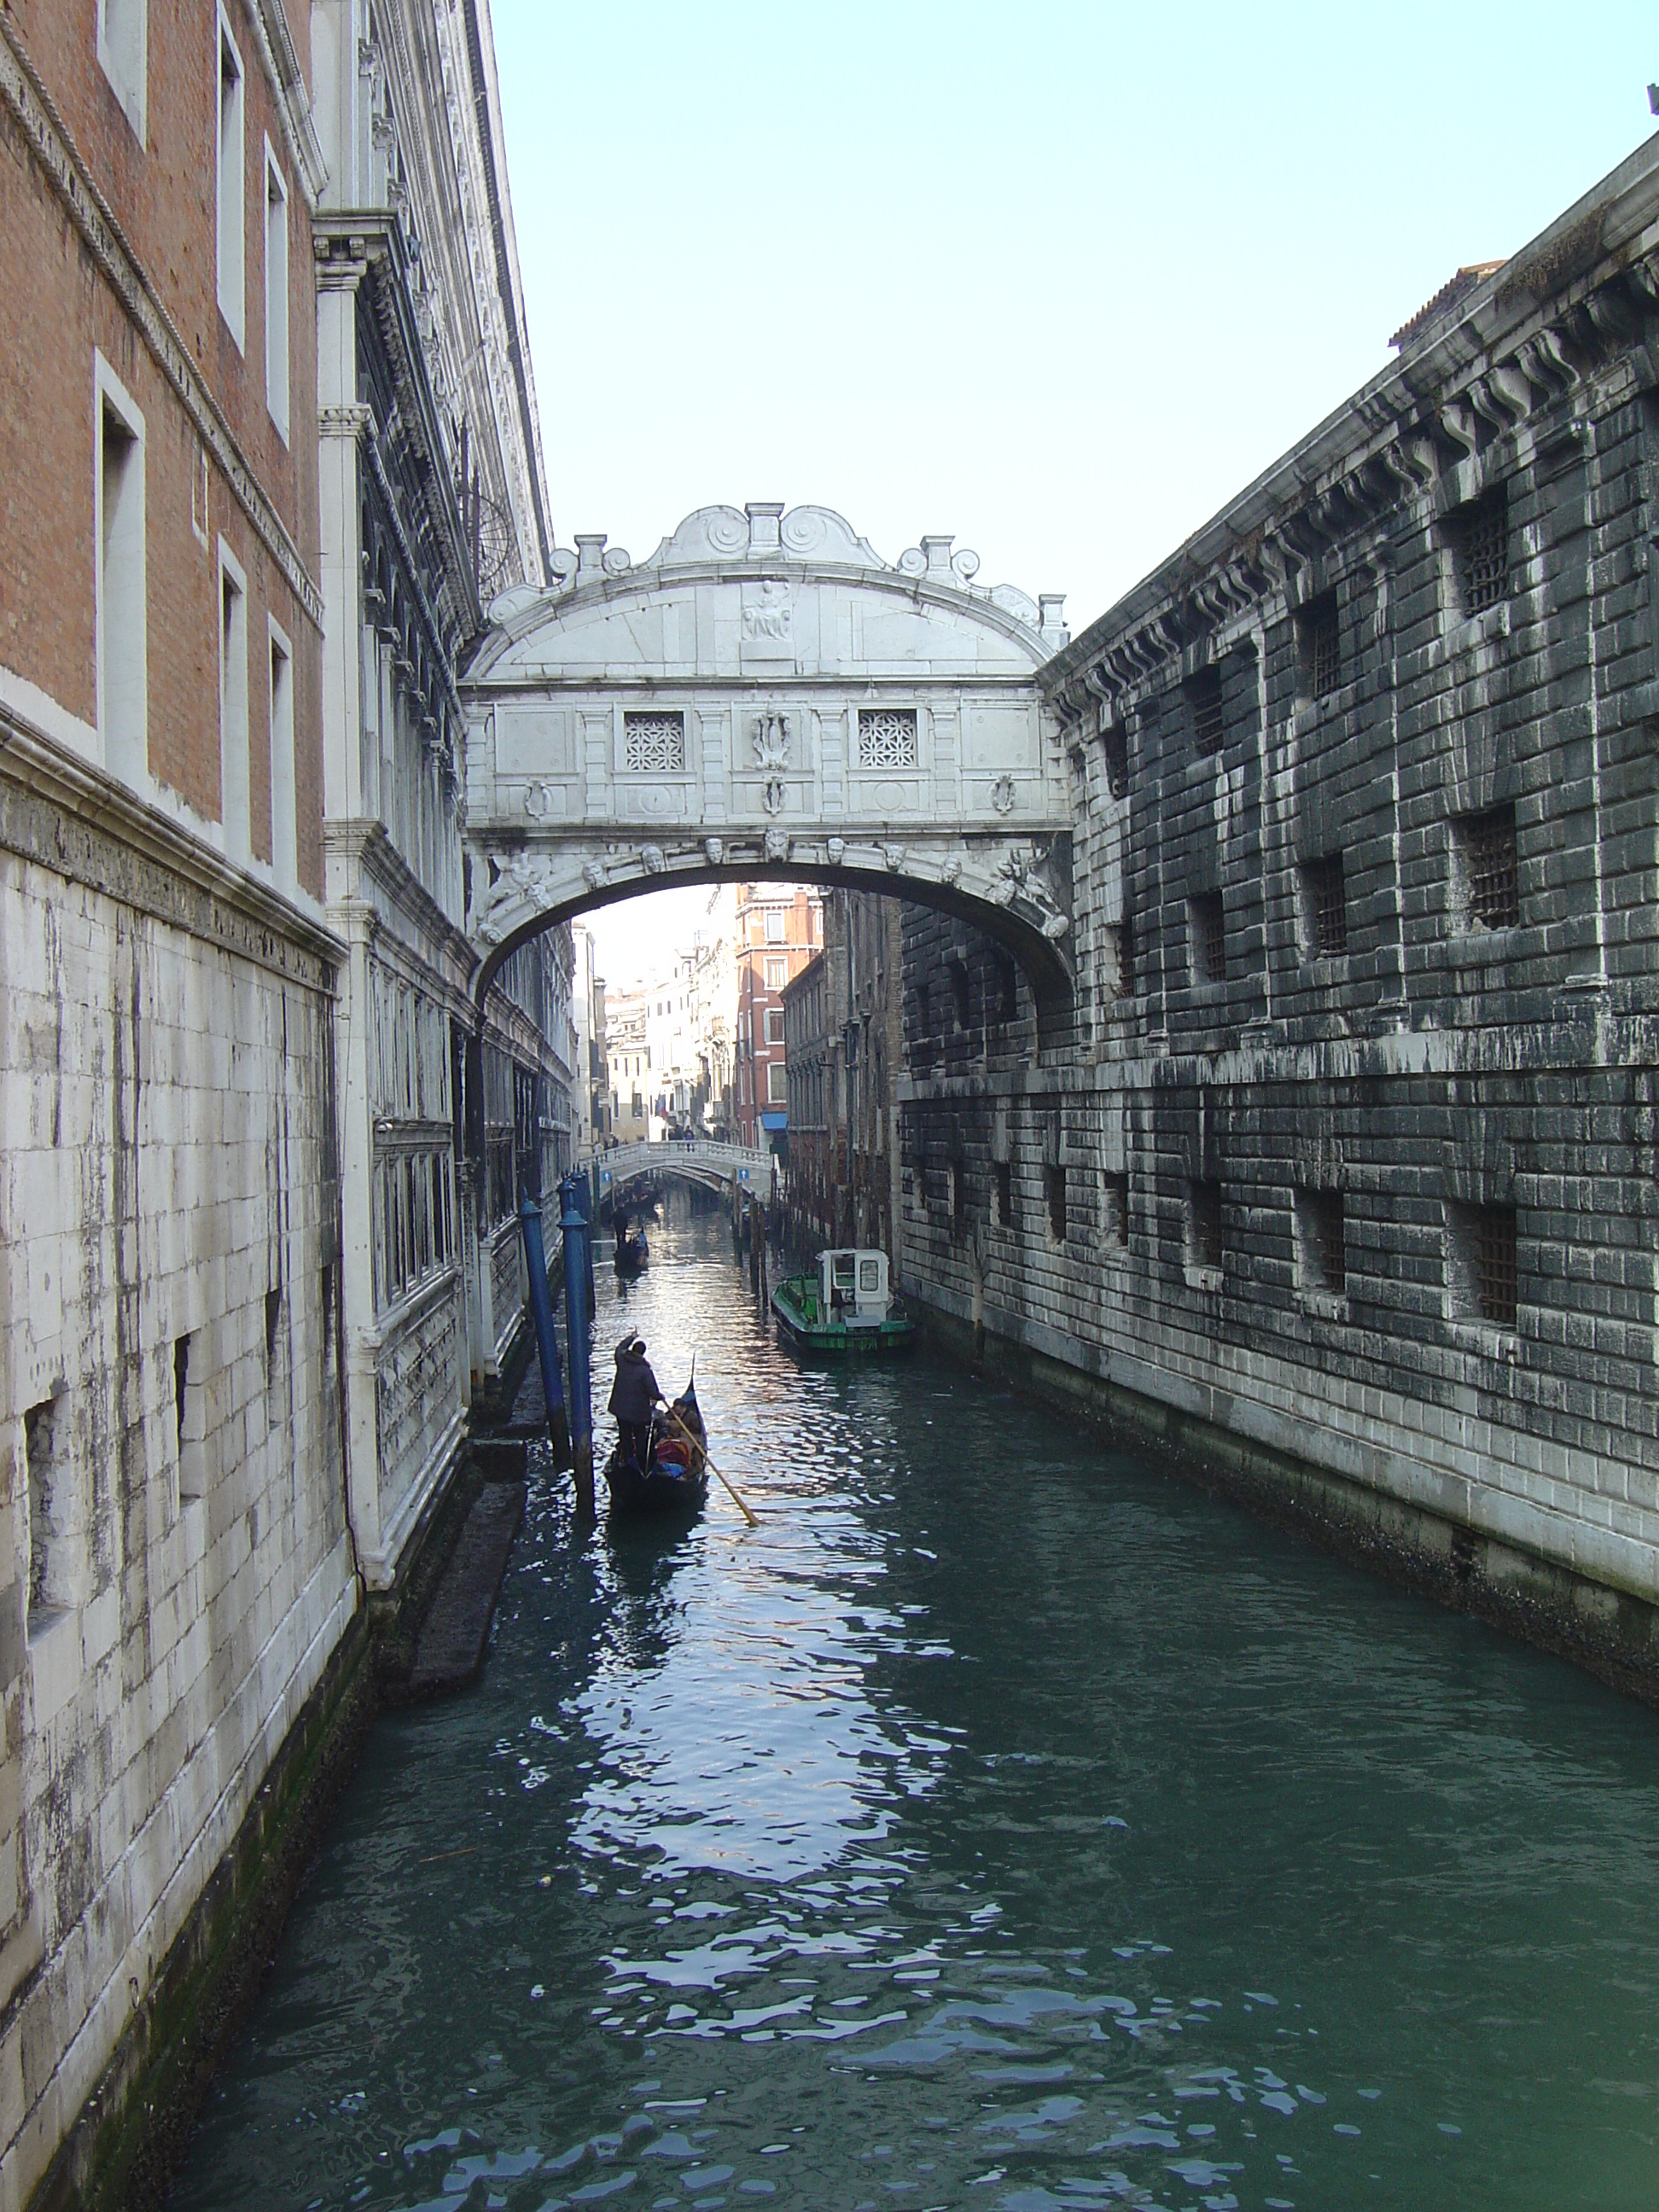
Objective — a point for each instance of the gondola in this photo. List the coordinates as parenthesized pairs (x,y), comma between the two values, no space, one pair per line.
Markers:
(633,1254)
(677,1481)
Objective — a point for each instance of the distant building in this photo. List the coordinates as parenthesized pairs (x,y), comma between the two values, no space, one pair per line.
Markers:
(843,1033)
(779,927)
(628,1059)
(591,1095)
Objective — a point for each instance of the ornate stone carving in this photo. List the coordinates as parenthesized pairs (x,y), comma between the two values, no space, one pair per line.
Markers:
(713,851)
(536,801)
(771,741)
(951,872)
(894,856)
(769,614)
(653,745)
(887,736)
(774,796)
(1002,794)
(777,845)
(653,860)
(834,848)
(1019,882)
(596,875)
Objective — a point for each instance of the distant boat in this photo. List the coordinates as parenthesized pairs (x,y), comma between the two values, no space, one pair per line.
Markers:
(676,1479)
(846,1306)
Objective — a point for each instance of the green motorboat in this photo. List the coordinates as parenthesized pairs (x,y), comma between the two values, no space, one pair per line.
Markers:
(846,1306)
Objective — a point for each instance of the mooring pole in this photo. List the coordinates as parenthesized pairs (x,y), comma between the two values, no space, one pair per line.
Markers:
(547,1344)
(577,1276)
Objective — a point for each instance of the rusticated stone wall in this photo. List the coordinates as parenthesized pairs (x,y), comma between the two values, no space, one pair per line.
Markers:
(1350,1154)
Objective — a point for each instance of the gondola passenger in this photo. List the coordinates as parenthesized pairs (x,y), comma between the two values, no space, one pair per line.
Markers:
(633,1396)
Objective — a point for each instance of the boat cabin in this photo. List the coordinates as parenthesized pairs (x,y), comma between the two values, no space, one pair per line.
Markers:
(853,1286)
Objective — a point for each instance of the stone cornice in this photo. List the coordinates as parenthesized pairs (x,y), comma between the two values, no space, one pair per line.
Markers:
(362,840)
(1513,351)
(279,57)
(77,821)
(48,139)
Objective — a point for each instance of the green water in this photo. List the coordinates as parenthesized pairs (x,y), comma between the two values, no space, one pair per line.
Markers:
(998,1824)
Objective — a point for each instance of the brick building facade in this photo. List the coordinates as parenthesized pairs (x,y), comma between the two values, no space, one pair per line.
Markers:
(779,927)
(1342,1152)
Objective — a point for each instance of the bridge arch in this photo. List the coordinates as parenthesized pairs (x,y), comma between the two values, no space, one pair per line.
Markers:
(765,698)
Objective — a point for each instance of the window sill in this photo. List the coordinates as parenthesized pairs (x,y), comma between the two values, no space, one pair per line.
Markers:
(1486,1339)
(1466,633)
(1323,1305)
(1201,1278)
(1473,946)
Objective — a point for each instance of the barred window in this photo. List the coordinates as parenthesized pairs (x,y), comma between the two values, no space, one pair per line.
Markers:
(887,736)
(1483,1263)
(1325,909)
(1115,1190)
(1206,938)
(1054,1183)
(1321,645)
(1481,545)
(1204,708)
(1204,1239)
(1123,946)
(1115,749)
(1322,1236)
(653,745)
(1008,978)
(1485,853)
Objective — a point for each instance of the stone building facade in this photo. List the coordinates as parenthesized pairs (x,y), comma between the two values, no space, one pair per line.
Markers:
(177,1563)
(1342,1156)
(432,504)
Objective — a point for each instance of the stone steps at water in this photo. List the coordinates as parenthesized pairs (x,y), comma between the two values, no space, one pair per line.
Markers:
(450,1650)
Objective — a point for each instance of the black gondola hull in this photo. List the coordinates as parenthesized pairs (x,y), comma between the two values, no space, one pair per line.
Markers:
(632,1492)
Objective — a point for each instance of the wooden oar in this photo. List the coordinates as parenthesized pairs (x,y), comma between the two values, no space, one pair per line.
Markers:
(753,1519)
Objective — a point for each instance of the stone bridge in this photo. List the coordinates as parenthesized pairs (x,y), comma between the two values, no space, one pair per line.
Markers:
(766,697)
(693,1159)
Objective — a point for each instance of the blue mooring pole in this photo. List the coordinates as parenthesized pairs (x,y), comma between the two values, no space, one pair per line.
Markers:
(578,1276)
(541,1312)
(583,1182)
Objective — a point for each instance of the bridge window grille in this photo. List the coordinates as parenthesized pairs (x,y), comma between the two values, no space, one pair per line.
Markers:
(653,745)
(1002,1186)
(1204,1222)
(1204,706)
(1116,1191)
(1482,553)
(1208,938)
(887,736)
(1115,749)
(1486,854)
(1321,645)
(1325,906)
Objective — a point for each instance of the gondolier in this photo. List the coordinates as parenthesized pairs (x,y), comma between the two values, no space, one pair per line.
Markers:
(634,1396)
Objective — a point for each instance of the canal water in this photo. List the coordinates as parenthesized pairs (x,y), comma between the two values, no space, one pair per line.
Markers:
(997,1824)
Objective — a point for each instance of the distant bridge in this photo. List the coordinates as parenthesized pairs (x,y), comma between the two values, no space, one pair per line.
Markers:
(695,1159)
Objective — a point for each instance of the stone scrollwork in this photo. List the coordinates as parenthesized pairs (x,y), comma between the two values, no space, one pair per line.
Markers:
(1002,794)
(1019,882)
(771,741)
(774,796)
(528,879)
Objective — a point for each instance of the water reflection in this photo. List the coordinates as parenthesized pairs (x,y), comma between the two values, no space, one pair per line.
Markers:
(996,1824)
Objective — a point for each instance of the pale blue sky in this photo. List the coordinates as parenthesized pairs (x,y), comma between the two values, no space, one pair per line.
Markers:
(1058,280)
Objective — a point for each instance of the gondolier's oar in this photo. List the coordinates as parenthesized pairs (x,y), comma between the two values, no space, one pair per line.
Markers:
(753,1519)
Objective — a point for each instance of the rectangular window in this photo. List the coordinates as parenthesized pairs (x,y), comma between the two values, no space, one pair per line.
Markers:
(232,706)
(1204,1239)
(1206,938)
(1116,1193)
(276,378)
(122,613)
(774,1026)
(887,736)
(1115,750)
(123,37)
(777,925)
(1322,1241)
(284,847)
(1002,1189)
(1320,636)
(1204,711)
(777,1082)
(1482,1263)
(1480,548)
(1121,935)
(1487,873)
(777,974)
(1324,907)
(1054,1190)
(1007,981)
(957,970)
(231,158)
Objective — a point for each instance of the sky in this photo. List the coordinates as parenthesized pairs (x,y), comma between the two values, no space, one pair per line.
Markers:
(1058,280)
